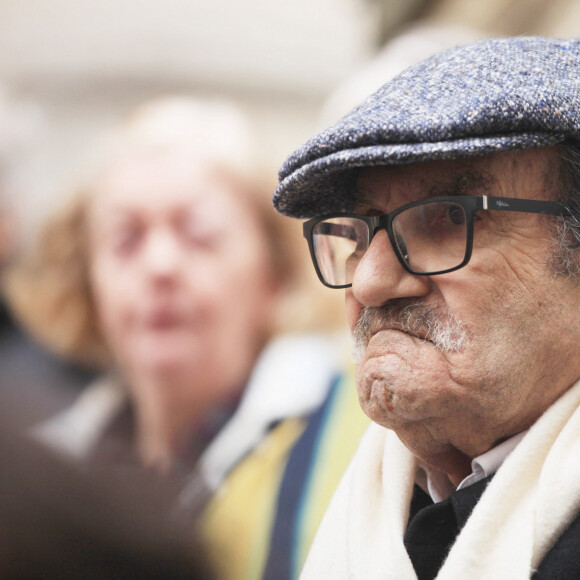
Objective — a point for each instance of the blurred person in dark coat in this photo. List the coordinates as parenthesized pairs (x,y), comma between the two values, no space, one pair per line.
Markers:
(60,521)
(29,375)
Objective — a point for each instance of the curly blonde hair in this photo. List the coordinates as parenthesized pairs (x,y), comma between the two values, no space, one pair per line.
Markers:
(49,289)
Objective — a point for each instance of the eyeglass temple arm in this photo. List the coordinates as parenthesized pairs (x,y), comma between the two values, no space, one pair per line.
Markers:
(524,205)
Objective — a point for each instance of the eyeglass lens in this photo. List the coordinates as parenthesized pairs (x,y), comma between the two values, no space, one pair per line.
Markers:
(430,237)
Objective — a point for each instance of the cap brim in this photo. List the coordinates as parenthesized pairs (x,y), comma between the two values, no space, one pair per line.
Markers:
(327,183)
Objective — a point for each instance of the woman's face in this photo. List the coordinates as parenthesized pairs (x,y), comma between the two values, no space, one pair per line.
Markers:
(180,272)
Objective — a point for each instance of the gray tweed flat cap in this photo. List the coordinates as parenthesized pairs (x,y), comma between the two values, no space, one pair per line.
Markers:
(490,96)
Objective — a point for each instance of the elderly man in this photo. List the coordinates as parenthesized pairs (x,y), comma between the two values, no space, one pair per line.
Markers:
(447,206)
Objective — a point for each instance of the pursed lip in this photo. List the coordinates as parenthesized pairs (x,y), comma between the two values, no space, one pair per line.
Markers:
(399,328)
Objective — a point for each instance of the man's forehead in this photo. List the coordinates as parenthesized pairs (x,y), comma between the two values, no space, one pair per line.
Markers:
(477,176)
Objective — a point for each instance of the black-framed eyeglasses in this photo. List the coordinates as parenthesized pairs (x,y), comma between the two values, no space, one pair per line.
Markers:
(431,236)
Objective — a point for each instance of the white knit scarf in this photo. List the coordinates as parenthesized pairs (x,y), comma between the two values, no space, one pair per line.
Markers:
(525,508)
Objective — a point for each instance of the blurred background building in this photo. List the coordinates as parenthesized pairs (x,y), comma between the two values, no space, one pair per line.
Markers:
(85,63)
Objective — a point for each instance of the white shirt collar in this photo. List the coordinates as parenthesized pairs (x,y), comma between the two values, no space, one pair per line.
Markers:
(439,486)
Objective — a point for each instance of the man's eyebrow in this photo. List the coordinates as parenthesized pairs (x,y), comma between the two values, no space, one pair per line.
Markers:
(363,198)
(463,181)
(468,181)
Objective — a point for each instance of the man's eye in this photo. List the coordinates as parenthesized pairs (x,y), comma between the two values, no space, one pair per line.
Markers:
(456,215)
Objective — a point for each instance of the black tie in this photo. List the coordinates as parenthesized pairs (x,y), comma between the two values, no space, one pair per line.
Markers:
(432,528)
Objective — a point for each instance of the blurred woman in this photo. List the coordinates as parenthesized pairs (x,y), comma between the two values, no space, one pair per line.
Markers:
(169,270)
(172,272)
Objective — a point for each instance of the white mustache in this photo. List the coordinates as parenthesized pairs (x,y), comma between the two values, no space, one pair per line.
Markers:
(421,320)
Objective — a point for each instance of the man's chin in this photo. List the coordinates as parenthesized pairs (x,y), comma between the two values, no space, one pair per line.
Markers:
(395,378)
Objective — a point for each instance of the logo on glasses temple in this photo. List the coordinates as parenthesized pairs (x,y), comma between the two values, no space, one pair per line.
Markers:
(502,204)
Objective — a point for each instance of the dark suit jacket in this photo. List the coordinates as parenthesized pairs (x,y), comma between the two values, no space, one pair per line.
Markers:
(433,528)
(562,562)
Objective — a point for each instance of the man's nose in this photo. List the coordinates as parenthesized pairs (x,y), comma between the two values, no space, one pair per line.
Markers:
(380,277)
